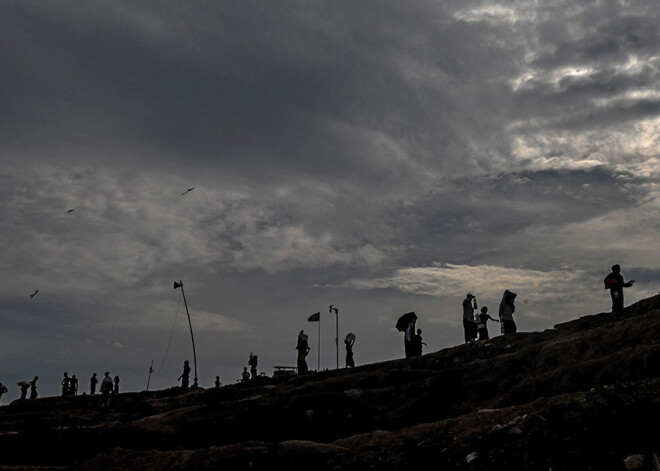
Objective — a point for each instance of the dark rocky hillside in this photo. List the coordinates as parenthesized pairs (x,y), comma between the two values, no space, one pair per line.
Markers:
(582,396)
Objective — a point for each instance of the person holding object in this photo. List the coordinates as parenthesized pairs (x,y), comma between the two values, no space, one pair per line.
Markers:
(482,329)
(614,282)
(507,308)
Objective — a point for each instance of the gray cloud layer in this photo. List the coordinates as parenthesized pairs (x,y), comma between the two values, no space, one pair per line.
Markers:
(377,156)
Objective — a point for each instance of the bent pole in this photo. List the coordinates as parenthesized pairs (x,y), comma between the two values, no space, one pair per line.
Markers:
(192,337)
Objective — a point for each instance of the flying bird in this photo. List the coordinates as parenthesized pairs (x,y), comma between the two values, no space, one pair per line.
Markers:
(188,191)
(70,211)
(33,294)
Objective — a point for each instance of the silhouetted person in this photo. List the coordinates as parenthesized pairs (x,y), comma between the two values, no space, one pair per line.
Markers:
(106,384)
(614,282)
(66,384)
(252,361)
(33,388)
(217,382)
(416,344)
(73,386)
(469,326)
(482,328)
(93,381)
(507,308)
(409,338)
(303,350)
(24,385)
(116,385)
(349,341)
(185,376)
(245,376)
(3,389)
(106,390)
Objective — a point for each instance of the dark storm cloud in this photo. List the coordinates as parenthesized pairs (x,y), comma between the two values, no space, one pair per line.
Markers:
(313,90)
(380,156)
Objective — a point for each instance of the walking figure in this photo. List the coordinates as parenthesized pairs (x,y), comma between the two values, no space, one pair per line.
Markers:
(217,382)
(349,341)
(24,385)
(614,282)
(483,317)
(303,350)
(116,388)
(507,308)
(185,376)
(92,384)
(252,361)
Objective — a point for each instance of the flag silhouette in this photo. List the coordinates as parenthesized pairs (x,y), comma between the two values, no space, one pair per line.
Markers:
(315,317)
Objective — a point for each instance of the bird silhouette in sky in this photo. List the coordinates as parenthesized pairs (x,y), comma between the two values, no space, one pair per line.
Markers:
(70,211)
(33,294)
(188,191)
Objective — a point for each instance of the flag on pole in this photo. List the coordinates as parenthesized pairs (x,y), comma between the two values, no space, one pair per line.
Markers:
(314,317)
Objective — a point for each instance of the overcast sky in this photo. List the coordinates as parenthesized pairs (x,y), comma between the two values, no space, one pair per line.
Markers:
(381,156)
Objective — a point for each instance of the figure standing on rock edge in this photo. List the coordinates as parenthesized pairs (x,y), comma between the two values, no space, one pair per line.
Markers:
(614,282)
(349,341)
(185,376)
(507,308)
(303,350)
(469,326)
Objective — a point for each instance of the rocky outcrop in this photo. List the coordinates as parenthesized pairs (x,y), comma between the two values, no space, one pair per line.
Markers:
(584,395)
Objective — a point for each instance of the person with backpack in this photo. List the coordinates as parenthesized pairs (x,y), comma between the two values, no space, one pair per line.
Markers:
(483,317)
(614,282)
(469,326)
(507,308)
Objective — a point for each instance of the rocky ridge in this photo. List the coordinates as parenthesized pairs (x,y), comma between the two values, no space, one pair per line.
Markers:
(584,395)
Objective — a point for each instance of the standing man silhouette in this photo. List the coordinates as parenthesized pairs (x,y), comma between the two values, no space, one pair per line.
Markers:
(614,282)
(185,376)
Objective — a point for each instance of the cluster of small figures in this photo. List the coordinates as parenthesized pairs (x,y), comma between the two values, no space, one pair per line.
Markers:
(25,386)
(252,363)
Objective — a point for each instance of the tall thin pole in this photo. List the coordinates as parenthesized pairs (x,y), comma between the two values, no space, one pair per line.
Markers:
(336,311)
(151,370)
(180,285)
(318,362)
(337,334)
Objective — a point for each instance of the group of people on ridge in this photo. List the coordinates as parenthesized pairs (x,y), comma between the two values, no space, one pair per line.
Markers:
(475,323)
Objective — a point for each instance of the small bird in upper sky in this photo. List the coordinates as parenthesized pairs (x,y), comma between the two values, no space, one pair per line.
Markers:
(70,211)
(33,294)
(188,191)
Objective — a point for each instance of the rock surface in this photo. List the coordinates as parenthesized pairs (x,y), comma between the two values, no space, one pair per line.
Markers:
(584,396)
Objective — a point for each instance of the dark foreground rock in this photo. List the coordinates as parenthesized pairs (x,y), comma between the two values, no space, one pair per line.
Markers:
(585,395)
